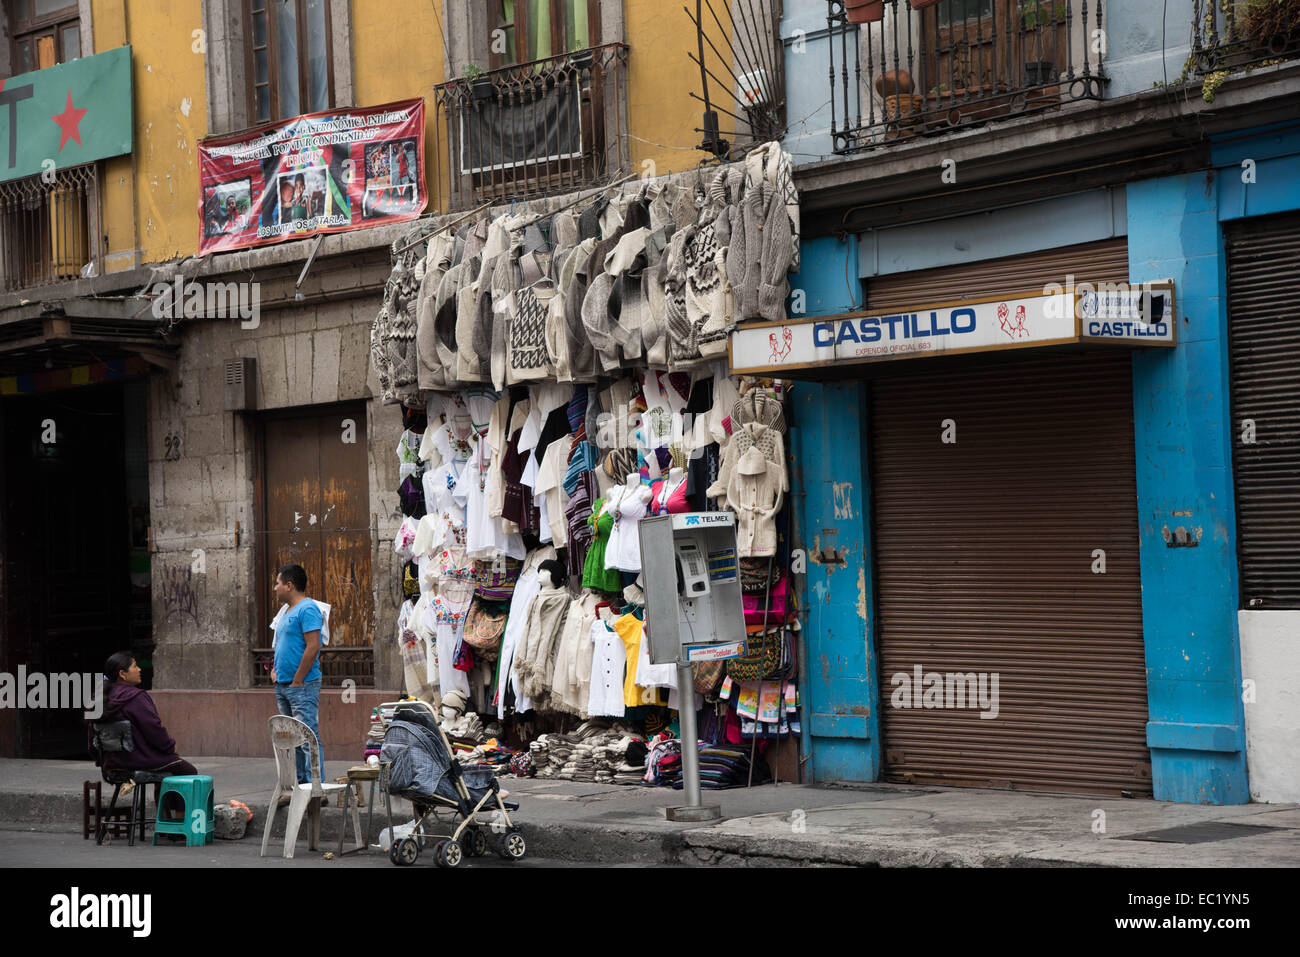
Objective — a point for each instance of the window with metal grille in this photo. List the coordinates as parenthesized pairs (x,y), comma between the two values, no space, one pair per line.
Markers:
(46,228)
(527,30)
(1264,356)
(45,32)
(290,58)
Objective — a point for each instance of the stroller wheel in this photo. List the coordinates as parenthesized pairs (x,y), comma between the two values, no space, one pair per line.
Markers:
(450,854)
(477,844)
(404,852)
(512,846)
(437,852)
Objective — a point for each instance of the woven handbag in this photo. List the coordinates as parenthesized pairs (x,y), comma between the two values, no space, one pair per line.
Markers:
(496,579)
(485,625)
(762,657)
(707,676)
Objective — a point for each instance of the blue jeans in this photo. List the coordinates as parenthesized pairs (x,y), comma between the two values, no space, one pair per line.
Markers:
(302,703)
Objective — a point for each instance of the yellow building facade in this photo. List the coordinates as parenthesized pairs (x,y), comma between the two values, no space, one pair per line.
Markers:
(188,413)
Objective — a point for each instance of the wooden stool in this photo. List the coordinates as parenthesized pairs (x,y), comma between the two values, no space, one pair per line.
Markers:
(355,776)
(94,814)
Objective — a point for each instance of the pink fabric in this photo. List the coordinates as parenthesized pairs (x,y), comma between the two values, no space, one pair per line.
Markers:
(754,610)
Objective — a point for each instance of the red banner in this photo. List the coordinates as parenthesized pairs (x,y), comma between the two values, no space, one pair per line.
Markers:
(320,173)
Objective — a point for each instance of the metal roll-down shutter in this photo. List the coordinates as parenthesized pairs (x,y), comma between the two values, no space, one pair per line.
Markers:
(984,552)
(1264,343)
(1103,261)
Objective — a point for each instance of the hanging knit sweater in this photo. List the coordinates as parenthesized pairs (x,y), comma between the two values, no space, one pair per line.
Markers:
(574,281)
(759,256)
(400,298)
(751,435)
(467,365)
(437,261)
(519,339)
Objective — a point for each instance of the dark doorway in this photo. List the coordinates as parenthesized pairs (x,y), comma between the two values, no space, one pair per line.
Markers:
(67,548)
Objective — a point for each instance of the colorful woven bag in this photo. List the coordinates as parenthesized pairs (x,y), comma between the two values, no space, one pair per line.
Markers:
(762,657)
(496,579)
(707,676)
(485,625)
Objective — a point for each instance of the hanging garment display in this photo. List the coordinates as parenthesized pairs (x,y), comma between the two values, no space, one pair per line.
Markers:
(563,376)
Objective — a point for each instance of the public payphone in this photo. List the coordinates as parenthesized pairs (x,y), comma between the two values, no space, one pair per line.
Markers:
(692,587)
(693,612)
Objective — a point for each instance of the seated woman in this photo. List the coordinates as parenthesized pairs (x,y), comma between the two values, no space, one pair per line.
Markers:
(125,700)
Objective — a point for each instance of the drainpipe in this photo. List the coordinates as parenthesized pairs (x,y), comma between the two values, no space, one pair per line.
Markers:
(800,588)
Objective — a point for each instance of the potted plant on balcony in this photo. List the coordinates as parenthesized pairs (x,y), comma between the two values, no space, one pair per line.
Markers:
(864,11)
(1038,22)
(480,85)
(1272,25)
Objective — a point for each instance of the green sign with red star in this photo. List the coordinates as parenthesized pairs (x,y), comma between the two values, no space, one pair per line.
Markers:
(66,115)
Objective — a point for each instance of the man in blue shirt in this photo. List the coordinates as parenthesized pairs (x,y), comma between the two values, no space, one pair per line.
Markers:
(296,671)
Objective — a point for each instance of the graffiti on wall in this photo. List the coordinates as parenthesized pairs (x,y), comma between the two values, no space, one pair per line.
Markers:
(178,594)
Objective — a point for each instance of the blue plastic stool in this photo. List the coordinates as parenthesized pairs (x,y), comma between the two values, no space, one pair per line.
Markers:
(194,793)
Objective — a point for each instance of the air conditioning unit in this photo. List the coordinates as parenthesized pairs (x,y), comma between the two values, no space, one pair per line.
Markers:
(241,385)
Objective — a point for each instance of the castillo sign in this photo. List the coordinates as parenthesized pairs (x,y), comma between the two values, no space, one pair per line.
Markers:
(1132,316)
(66,115)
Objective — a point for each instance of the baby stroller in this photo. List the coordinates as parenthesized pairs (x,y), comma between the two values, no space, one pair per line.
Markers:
(416,763)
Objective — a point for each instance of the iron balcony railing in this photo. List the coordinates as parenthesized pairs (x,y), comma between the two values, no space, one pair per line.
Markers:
(47,227)
(1234,34)
(909,72)
(550,126)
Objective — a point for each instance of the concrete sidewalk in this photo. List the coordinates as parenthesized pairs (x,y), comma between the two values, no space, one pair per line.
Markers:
(783,825)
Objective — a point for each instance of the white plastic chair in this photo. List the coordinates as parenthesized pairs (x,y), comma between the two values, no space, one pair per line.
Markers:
(287,735)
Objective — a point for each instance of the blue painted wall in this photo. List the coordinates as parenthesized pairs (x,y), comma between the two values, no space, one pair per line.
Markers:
(807,87)
(1183,433)
(827,282)
(1276,189)
(1196,728)
(1146,43)
(841,708)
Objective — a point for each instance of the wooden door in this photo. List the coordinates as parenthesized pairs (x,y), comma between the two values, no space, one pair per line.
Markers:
(316,503)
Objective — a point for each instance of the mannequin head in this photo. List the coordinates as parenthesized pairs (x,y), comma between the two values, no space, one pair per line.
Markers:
(551,574)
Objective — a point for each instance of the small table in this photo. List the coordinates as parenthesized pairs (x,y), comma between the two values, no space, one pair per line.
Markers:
(355,774)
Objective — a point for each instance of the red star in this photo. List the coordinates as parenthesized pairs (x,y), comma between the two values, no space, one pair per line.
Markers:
(68,122)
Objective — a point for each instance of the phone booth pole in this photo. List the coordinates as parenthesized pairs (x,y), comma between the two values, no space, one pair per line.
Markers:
(693,613)
(690,739)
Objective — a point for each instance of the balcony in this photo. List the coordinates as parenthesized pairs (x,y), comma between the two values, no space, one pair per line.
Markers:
(1237,34)
(550,126)
(47,228)
(956,63)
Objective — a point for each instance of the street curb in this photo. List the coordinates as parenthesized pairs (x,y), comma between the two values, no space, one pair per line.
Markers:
(29,810)
(596,843)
